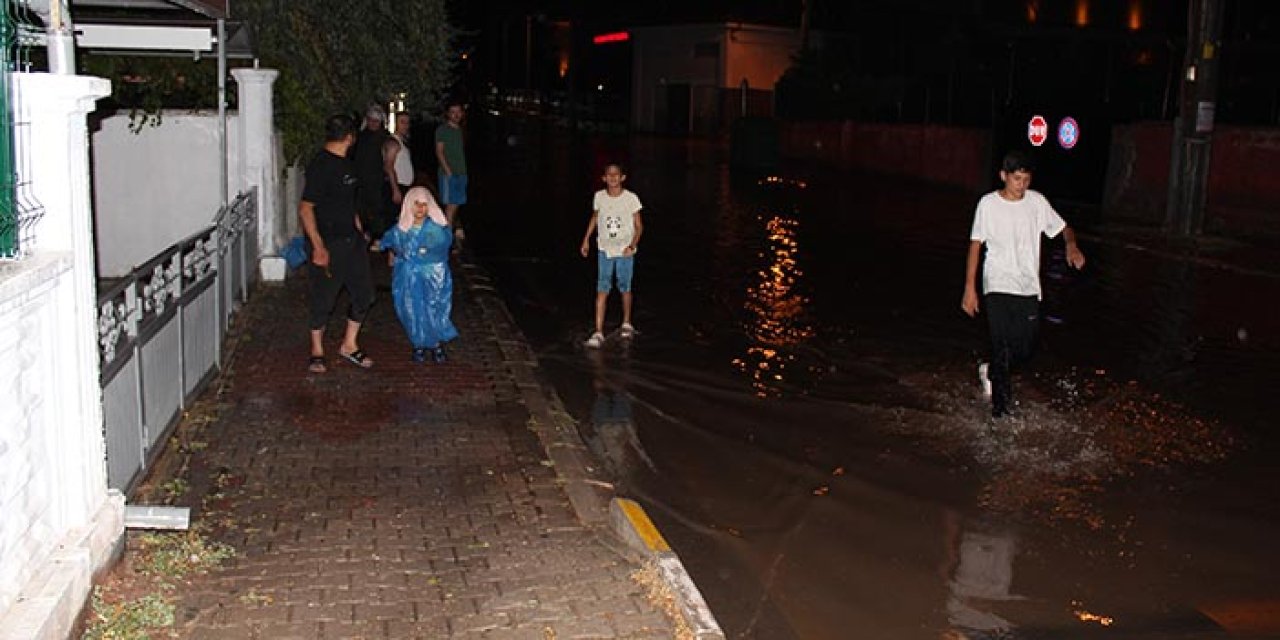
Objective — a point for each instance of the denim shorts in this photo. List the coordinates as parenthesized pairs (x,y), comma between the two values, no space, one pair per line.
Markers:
(608,267)
(453,189)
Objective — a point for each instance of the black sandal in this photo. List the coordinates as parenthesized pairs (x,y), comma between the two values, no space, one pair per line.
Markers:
(358,358)
(315,364)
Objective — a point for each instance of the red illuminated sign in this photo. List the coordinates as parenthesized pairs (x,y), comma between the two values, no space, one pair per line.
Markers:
(1037,130)
(607,38)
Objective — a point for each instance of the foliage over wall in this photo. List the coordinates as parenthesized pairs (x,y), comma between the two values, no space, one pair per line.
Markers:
(145,85)
(337,56)
(334,56)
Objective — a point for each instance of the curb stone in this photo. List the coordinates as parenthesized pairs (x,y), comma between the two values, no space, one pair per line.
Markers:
(590,493)
(633,525)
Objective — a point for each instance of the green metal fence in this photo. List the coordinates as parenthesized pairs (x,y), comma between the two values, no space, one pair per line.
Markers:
(21,35)
(8,184)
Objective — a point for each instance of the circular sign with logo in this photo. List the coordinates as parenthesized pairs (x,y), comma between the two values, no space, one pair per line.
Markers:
(1068,133)
(1037,130)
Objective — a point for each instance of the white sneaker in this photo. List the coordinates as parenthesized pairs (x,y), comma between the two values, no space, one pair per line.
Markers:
(627,330)
(595,341)
(984,380)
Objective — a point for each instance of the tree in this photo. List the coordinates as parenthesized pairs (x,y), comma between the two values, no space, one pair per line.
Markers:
(338,56)
(334,56)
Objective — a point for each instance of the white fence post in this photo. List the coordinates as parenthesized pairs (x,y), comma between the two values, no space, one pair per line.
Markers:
(56,107)
(257,138)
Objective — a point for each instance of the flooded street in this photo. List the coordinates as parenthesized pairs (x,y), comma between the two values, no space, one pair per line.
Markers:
(801,416)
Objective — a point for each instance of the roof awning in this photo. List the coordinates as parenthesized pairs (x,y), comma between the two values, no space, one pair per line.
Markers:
(151,27)
(162,38)
(208,8)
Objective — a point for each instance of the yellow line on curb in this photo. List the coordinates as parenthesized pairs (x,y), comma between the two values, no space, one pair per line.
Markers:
(643,525)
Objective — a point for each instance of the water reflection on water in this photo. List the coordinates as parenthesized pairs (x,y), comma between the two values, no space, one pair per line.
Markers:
(775,310)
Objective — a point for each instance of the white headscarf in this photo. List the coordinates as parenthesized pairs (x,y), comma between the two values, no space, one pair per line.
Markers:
(374,112)
(420,194)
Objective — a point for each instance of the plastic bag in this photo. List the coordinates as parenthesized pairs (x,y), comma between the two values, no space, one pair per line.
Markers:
(295,253)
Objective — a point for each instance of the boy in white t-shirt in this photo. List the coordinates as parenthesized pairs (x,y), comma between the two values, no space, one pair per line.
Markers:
(615,216)
(1009,222)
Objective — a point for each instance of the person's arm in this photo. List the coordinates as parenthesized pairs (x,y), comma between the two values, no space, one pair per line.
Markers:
(389,150)
(444,163)
(969,303)
(586,237)
(638,223)
(1075,257)
(307,215)
(391,240)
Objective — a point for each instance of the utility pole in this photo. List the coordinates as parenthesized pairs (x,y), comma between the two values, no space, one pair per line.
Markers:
(806,9)
(528,52)
(1193,128)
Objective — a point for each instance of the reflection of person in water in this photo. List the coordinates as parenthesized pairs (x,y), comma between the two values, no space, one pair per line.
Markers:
(611,406)
(978,570)
(613,435)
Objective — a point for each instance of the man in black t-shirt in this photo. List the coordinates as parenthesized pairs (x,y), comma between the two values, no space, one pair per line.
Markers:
(336,236)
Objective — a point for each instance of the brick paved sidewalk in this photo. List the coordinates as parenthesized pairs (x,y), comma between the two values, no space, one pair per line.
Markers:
(405,501)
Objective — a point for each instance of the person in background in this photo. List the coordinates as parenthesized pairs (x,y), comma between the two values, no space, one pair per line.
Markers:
(367,155)
(452,157)
(397,164)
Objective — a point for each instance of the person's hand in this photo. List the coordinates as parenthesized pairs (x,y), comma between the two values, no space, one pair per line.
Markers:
(320,256)
(1074,257)
(586,248)
(629,250)
(969,303)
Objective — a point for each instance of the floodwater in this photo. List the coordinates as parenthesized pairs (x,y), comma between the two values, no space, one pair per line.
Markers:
(800,412)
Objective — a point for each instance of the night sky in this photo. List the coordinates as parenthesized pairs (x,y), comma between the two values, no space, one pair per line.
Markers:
(1118,52)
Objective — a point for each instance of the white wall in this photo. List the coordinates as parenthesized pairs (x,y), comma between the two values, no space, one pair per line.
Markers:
(29,305)
(158,186)
(759,54)
(36,308)
(665,56)
(58,522)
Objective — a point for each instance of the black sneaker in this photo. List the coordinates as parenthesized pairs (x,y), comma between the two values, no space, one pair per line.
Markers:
(438,356)
(419,355)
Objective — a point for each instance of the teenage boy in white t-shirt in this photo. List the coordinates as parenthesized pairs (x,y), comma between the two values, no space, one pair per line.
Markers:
(1009,222)
(615,216)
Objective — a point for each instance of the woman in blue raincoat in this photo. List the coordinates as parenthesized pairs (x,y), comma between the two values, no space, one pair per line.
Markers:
(421,282)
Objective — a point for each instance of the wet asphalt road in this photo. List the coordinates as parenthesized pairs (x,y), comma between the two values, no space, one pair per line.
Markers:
(800,414)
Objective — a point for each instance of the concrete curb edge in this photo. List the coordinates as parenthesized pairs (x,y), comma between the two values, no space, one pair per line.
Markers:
(633,525)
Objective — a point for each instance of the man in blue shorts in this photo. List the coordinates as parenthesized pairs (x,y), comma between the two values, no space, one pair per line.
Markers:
(453,167)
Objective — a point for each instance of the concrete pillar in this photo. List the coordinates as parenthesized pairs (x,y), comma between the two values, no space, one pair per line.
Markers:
(53,157)
(86,520)
(258,163)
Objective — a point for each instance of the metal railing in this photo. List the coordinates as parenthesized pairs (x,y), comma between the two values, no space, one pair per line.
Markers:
(161,330)
(19,209)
